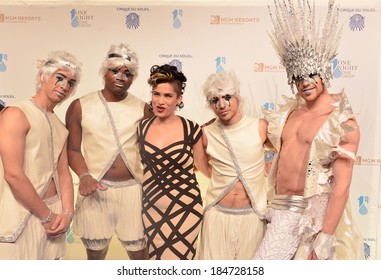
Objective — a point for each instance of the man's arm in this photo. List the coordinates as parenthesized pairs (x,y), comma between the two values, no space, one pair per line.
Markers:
(200,157)
(63,220)
(342,173)
(14,128)
(76,160)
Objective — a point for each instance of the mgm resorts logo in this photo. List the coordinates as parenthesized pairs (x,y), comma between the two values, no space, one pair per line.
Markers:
(18,18)
(262,67)
(217,19)
(367,161)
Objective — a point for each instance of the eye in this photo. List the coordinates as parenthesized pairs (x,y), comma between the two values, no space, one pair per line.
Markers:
(299,79)
(114,71)
(214,100)
(72,83)
(60,77)
(128,74)
(227,97)
(313,76)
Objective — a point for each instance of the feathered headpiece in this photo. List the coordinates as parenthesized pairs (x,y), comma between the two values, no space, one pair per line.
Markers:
(303,47)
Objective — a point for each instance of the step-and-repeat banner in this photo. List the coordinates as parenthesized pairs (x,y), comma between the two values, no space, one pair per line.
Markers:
(200,40)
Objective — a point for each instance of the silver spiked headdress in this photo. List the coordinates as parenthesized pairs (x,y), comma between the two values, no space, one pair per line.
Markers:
(303,47)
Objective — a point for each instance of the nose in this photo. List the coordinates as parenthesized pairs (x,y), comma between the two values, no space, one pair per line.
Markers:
(119,76)
(221,102)
(64,84)
(161,99)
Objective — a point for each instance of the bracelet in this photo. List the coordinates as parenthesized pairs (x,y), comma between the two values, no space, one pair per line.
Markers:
(84,174)
(48,218)
(69,213)
(323,246)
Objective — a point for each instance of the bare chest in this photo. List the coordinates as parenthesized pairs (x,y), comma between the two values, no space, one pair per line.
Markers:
(303,126)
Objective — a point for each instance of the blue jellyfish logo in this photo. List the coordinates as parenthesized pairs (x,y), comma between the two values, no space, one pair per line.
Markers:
(176,21)
(363,210)
(73,17)
(219,62)
(69,236)
(3,67)
(336,73)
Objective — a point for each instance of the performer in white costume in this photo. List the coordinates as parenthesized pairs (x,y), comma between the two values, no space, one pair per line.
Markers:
(103,152)
(317,137)
(36,187)
(236,196)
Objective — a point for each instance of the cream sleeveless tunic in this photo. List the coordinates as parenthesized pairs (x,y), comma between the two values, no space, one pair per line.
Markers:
(37,166)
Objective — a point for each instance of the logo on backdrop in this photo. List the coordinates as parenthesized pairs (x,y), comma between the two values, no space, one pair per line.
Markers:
(69,236)
(363,201)
(3,58)
(80,18)
(357,22)
(18,19)
(175,17)
(357,19)
(220,62)
(366,251)
(360,160)
(269,106)
(262,67)
(132,21)
(343,68)
(218,20)
(177,63)
(369,244)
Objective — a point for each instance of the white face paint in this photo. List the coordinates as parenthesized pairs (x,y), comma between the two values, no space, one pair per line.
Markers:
(121,75)
(311,78)
(63,81)
(220,101)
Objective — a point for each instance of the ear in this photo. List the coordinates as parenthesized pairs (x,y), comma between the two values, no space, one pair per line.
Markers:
(179,99)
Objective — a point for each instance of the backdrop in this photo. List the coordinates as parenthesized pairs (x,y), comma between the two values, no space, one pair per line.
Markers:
(200,38)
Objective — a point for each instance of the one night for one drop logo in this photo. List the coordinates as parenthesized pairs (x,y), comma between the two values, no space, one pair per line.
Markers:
(80,18)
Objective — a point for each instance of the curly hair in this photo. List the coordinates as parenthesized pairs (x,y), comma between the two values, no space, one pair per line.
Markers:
(167,74)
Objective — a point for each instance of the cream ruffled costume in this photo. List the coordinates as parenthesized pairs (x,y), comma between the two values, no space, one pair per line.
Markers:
(325,149)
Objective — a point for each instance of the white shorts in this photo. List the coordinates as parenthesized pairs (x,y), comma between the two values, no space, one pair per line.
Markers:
(116,211)
(230,234)
(33,243)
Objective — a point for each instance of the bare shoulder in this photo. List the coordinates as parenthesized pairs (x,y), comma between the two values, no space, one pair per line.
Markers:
(263,123)
(74,111)
(13,115)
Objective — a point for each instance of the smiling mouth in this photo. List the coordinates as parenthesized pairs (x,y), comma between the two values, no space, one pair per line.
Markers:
(119,85)
(308,91)
(61,94)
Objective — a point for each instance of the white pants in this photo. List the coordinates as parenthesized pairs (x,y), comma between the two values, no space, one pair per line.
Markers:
(230,234)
